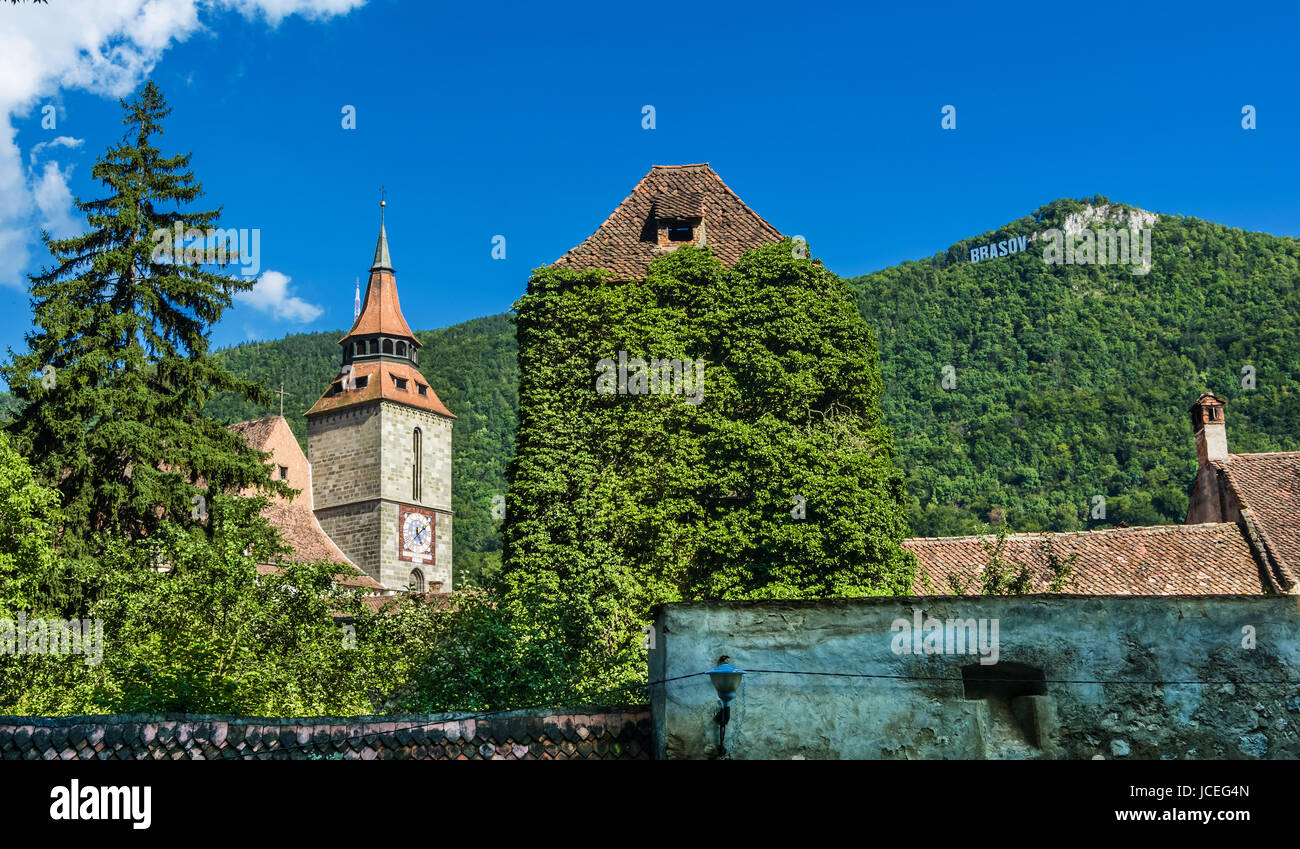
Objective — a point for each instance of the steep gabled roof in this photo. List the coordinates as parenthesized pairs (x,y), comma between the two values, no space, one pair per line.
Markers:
(1269,485)
(627,242)
(1161,560)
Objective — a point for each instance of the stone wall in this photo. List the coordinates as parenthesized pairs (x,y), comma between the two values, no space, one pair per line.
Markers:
(519,735)
(354,528)
(1081,677)
(343,448)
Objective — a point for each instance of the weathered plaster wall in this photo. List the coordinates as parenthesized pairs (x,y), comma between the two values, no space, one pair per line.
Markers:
(923,712)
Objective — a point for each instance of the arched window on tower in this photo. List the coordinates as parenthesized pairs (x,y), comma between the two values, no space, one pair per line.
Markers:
(388,346)
(417,467)
(401,349)
(417,581)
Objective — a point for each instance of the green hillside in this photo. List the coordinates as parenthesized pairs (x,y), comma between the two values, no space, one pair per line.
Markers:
(472,367)
(1072,381)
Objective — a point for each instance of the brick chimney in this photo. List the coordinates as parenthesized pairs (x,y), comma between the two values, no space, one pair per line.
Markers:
(1209,429)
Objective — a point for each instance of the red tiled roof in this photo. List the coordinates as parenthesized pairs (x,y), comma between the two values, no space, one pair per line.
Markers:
(627,242)
(256,432)
(380,384)
(1162,560)
(349,579)
(1269,484)
(381,312)
(390,603)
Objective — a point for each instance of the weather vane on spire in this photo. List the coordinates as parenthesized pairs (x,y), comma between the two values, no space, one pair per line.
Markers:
(382,203)
(356,302)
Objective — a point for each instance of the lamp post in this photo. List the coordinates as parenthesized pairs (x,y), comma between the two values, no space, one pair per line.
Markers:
(726,680)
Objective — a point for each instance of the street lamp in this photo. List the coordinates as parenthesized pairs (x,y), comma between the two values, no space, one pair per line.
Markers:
(726,680)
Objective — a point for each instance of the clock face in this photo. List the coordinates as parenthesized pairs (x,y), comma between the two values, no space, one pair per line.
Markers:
(417,533)
(415,528)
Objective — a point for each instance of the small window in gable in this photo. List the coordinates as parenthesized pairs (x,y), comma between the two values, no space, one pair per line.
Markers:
(681,234)
(363,382)
(422,389)
(400,383)
(284,473)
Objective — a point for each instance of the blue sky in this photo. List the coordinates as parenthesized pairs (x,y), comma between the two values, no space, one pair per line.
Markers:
(525,121)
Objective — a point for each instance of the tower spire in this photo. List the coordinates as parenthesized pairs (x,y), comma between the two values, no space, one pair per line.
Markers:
(382,261)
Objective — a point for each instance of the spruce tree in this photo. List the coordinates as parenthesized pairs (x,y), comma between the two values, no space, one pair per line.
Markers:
(118,366)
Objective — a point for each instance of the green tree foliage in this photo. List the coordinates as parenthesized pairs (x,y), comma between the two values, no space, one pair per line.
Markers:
(189,625)
(1073,381)
(779,484)
(28,523)
(1002,576)
(118,370)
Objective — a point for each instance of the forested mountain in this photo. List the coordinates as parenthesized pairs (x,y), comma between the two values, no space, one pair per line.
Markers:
(1069,381)
(1072,381)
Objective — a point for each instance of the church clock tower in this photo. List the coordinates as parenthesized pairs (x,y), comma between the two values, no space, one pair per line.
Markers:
(379,442)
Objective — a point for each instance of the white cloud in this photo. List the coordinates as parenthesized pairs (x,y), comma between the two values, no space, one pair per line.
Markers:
(54,201)
(272,295)
(106,47)
(60,141)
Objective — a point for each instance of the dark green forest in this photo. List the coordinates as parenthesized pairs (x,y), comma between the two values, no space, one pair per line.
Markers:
(1071,381)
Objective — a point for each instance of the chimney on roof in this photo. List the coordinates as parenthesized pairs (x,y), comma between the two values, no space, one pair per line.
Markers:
(1209,428)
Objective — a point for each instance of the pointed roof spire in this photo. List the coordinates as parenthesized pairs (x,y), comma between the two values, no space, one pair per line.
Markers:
(380,310)
(382,261)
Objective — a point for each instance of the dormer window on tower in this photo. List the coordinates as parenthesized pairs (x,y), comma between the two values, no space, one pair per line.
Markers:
(678,219)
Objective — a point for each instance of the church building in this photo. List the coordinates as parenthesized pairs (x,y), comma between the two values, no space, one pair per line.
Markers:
(378,476)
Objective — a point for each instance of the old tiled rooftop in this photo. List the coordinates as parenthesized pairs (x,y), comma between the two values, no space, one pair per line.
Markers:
(381,384)
(627,242)
(1269,485)
(1160,560)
